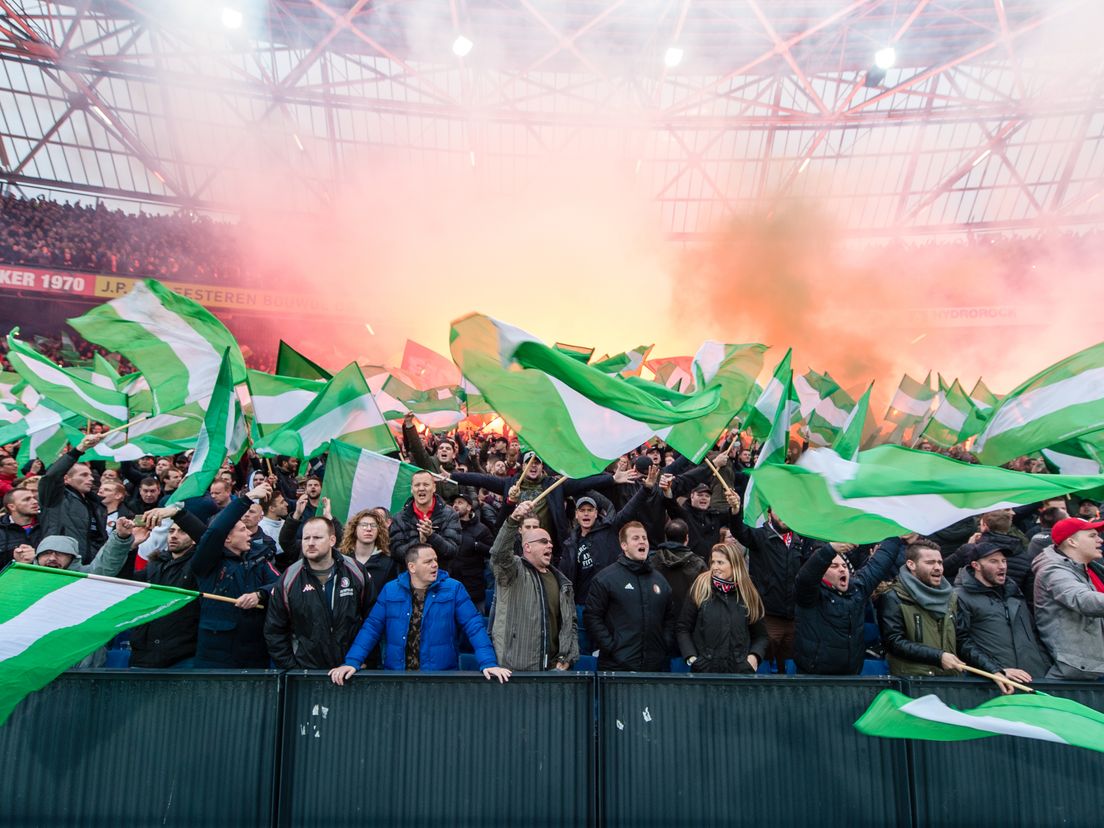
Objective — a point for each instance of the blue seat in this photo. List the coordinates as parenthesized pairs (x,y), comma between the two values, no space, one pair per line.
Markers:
(118,659)
(875,667)
(586,664)
(679,665)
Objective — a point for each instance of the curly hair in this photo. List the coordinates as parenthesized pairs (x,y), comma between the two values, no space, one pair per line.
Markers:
(383,536)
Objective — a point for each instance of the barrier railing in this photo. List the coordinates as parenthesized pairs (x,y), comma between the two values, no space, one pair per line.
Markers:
(265,748)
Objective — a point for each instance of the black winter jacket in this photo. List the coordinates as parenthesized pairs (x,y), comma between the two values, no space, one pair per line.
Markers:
(1019,564)
(828,638)
(469,564)
(304,630)
(65,512)
(629,617)
(13,535)
(583,557)
(995,630)
(704,524)
(445,539)
(773,565)
(680,566)
(172,638)
(718,634)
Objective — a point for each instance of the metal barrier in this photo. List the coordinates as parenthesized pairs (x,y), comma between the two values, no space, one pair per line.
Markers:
(263,748)
(728,750)
(122,747)
(441,749)
(1001,780)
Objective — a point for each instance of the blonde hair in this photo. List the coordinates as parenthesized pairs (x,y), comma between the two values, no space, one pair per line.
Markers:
(702,588)
(383,535)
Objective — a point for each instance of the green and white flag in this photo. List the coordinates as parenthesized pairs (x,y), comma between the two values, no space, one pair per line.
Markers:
(222,435)
(277,400)
(730,369)
(176,343)
(1059,403)
(890,490)
(8,382)
(579,352)
(360,479)
(911,401)
(48,428)
(954,419)
(773,451)
(828,417)
(439,409)
(577,418)
(1071,457)
(52,618)
(893,715)
(983,399)
(55,383)
(850,437)
(759,415)
(626,363)
(291,363)
(344,410)
(158,435)
(811,388)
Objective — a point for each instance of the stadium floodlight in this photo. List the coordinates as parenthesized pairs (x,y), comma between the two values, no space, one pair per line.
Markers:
(461,47)
(885,58)
(232,18)
(672,57)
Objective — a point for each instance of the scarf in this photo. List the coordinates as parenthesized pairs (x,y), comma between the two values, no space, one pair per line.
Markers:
(722,585)
(933,599)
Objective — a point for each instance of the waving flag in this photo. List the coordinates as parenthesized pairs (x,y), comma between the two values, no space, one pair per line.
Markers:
(53,618)
(176,343)
(64,388)
(576,417)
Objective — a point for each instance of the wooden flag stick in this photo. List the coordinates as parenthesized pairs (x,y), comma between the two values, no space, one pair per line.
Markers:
(125,582)
(547,491)
(525,470)
(225,599)
(136,420)
(717,474)
(996,678)
(268,463)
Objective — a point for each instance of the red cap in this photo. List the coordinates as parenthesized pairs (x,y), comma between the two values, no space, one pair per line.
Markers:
(1067,527)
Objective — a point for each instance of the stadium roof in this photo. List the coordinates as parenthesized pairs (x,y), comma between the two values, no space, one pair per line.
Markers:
(991,116)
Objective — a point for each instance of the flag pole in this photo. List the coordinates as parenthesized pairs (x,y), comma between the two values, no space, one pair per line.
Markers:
(163,588)
(998,679)
(717,474)
(125,425)
(548,491)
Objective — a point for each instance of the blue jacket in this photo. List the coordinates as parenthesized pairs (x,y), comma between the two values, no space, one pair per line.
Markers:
(221,572)
(447,607)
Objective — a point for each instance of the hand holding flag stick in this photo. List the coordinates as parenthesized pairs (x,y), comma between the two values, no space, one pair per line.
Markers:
(717,474)
(998,679)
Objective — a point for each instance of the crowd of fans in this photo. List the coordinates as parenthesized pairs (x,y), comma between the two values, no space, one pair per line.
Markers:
(498,563)
(180,246)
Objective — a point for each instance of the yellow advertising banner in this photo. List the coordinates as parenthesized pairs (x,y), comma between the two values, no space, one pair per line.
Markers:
(235,298)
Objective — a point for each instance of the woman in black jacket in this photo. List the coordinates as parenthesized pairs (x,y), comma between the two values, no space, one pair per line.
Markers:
(721,629)
(367,539)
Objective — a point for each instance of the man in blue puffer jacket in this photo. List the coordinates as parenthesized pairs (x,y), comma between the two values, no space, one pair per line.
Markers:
(417,615)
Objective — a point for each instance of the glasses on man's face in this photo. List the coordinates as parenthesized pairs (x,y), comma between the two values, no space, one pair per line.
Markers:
(366,526)
(541,541)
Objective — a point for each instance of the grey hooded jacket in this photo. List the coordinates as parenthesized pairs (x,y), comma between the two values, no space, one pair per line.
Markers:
(1069,614)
